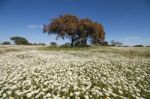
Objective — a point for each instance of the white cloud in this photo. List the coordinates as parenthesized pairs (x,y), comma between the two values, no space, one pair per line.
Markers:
(35,26)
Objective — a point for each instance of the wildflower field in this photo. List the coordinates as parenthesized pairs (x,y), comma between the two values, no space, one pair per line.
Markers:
(34,72)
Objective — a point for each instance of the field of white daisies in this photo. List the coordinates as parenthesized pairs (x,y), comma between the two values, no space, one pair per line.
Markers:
(99,73)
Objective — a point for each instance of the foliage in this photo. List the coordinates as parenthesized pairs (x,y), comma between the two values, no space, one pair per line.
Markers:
(20,40)
(34,44)
(6,43)
(76,29)
(125,46)
(53,44)
(43,44)
(104,43)
(139,45)
(65,45)
(116,43)
(112,43)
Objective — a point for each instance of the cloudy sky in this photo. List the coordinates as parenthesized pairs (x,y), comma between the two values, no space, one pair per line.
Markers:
(127,21)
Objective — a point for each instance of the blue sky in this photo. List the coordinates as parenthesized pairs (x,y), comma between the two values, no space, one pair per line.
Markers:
(127,21)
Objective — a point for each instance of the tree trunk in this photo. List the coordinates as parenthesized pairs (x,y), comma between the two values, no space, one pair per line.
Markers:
(72,42)
(84,42)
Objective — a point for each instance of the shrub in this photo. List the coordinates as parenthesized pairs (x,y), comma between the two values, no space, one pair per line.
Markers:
(6,43)
(148,46)
(116,43)
(138,45)
(125,46)
(20,40)
(104,43)
(53,44)
(43,44)
(66,45)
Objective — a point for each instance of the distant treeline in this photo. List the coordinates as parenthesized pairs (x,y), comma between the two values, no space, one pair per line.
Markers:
(23,41)
(20,41)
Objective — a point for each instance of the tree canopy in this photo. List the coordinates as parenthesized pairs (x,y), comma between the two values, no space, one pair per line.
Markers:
(6,43)
(76,29)
(19,40)
(116,43)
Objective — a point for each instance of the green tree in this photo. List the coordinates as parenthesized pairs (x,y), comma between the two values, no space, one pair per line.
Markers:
(116,43)
(104,43)
(6,43)
(53,44)
(20,40)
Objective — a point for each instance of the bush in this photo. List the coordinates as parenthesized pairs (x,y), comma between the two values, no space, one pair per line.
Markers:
(34,44)
(53,44)
(125,46)
(116,43)
(20,40)
(104,43)
(66,45)
(6,43)
(43,44)
(138,45)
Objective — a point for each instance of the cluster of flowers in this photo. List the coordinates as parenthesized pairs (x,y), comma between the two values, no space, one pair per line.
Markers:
(75,75)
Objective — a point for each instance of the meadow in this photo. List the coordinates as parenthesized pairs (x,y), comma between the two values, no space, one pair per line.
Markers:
(38,72)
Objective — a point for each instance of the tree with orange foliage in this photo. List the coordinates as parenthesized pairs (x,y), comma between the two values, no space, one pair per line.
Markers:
(77,30)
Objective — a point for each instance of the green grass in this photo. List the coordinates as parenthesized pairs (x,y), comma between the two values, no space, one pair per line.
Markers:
(55,48)
(9,50)
(126,51)
(132,51)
